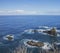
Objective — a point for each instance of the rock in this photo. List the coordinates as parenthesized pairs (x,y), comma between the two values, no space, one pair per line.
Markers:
(51,32)
(38,44)
(10,37)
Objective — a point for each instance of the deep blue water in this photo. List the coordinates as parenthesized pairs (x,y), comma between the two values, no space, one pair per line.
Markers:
(17,24)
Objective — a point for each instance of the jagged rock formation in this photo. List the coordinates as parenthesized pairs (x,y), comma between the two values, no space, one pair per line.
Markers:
(51,32)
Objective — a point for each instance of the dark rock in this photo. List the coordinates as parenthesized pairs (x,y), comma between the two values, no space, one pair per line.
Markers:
(38,44)
(51,32)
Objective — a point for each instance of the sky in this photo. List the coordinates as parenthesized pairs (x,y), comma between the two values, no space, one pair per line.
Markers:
(29,7)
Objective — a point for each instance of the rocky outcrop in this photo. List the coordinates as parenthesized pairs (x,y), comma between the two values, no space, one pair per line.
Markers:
(38,44)
(51,32)
(10,37)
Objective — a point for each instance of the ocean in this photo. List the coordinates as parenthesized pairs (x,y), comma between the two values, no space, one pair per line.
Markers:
(16,24)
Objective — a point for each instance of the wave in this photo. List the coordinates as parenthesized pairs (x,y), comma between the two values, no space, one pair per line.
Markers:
(46,44)
(29,31)
(41,29)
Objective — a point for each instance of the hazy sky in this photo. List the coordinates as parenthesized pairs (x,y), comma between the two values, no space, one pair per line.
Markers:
(23,7)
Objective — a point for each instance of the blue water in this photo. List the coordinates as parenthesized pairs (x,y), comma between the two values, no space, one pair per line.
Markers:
(17,24)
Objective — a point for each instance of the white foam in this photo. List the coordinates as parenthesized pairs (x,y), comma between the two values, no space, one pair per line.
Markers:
(46,27)
(5,37)
(57,43)
(47,46)
(58,35)
(41,30)
(58,31)
(29,31)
